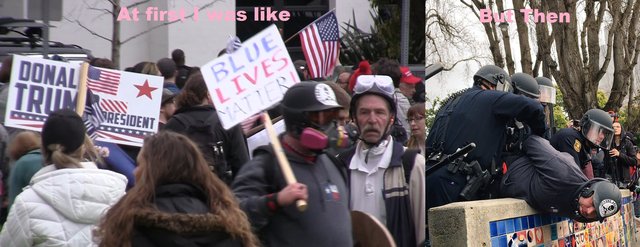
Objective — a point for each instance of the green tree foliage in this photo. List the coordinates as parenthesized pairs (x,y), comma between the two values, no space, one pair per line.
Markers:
(383,40)
(560,117)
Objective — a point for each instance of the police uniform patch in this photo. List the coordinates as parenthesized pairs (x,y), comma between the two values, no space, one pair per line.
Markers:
(577,145)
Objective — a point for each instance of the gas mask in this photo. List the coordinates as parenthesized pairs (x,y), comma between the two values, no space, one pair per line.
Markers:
(327,136)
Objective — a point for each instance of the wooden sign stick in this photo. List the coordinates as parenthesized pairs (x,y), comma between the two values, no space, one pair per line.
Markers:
(282,159)
(81,98)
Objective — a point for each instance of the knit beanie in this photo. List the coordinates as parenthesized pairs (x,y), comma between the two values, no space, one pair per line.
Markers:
(364,68)
(63,127)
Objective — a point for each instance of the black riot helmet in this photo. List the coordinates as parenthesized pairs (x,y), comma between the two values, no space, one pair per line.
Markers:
(526,85)
(607,198)
(597,127)
(547,90)
(495,75)
(304,97)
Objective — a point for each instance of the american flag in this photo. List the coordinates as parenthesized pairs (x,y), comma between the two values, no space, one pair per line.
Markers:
(320,45)
(103,81)
(92,114)
(114,105)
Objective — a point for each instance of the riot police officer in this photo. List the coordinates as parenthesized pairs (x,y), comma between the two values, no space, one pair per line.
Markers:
(548,99)
(478,115)
(596,131)
(524,84)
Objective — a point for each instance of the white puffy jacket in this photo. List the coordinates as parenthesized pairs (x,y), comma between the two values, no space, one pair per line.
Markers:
(61,207)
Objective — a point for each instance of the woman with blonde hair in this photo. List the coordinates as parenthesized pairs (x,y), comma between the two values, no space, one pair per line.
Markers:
(416,120)
(68,196)
(177,201)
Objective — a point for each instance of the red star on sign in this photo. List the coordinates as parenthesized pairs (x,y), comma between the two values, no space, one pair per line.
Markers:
(145,89)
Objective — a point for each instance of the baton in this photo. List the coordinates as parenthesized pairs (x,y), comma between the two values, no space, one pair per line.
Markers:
(451,157)
(432,70)
(282,159)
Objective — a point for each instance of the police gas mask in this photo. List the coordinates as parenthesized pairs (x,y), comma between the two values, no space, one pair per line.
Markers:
(325,137)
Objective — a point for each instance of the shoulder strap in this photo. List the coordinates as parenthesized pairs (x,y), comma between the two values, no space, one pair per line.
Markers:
(408,160)
(339,164)
(445,111)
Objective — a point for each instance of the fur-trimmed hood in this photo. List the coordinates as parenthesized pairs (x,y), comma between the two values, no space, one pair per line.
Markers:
(179,223)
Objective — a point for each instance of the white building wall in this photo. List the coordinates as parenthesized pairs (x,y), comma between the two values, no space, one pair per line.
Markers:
(345,11)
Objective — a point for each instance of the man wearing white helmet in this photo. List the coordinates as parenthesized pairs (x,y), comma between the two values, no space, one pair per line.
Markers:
(387,181)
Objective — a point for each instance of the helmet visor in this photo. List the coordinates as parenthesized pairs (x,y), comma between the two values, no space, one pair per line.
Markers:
(365,83)
(599,135)
(547,94)
(504,86)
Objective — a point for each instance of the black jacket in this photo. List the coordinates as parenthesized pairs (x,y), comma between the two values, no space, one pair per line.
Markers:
(181,219)
(571,141)
(549,180)
(618,167)
(234,143)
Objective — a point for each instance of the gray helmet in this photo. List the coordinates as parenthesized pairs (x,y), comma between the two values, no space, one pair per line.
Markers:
(597,126)
(494,75)
(606,198)
(547,90)
(526,85)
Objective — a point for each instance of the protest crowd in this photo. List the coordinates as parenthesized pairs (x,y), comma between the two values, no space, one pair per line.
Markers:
(351,139)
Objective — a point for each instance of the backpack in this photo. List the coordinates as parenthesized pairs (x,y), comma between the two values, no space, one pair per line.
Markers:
(208,136)
(398,132)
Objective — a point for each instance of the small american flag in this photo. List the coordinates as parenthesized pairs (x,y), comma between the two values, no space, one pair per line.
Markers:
(103,81)
(114,105)
(320,45)
(92,114)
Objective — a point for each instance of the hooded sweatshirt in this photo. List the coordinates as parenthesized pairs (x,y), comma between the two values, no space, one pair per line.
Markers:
(61,206)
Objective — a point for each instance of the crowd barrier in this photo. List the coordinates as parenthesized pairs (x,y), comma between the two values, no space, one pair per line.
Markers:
(512,222)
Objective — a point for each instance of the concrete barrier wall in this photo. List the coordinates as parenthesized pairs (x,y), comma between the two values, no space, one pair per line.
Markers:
(511,222)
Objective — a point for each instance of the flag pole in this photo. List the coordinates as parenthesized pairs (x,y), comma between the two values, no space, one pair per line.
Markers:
(305,27)
(81,98)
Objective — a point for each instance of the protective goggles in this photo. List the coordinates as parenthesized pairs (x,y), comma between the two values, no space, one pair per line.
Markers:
(365,83)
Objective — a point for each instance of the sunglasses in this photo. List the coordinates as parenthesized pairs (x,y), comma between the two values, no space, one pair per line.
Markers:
(365,83)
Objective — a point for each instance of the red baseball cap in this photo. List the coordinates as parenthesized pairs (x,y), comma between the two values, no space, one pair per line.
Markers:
(407,76)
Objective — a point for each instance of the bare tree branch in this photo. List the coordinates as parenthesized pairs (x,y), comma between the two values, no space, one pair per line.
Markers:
(88,29)
(167,23)
(459,61)
(138,3)
(105,11)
